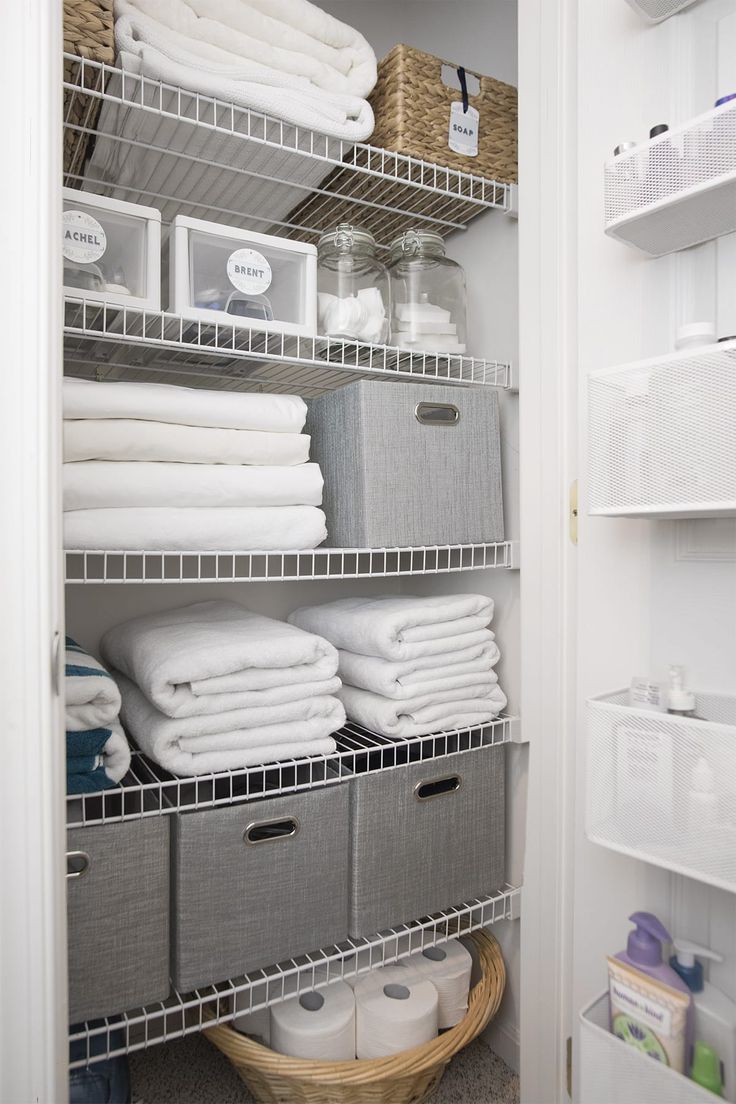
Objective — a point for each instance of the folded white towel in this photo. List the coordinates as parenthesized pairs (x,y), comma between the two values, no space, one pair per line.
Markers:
(227,741)
(98,484)
(180,658)
(146,46)
(190,406)
(401,680)
(122,439)
(283,39)
(396,627)
(420,716)
(91,698)
(179,529)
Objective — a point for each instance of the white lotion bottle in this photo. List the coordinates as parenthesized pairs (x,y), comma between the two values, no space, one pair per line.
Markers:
(715,1013)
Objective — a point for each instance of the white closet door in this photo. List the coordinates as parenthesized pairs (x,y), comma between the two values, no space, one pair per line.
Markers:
(33,1035)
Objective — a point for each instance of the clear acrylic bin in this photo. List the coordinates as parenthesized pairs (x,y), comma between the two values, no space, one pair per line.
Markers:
(221,274)
(663,788)
(661,438)
(112,250)
(613,1073)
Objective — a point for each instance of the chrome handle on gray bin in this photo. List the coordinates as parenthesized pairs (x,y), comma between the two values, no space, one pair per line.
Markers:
(430,788)
(81,859)
(437,414)
(268,831)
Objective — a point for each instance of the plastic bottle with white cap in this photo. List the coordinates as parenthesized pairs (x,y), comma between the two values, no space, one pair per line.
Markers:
(693,335)
(715,1013)
(680,702)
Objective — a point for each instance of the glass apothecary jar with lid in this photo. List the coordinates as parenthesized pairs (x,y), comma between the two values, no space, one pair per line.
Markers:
(428,295)
(353,297)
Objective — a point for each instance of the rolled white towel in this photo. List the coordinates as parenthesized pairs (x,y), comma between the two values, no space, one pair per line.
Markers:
(101,484)
(398,627)
(419,716)
(184,529)
(185,660)
(122,439)
(192,406)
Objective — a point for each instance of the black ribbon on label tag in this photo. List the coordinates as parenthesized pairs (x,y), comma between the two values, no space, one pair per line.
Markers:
(463,87)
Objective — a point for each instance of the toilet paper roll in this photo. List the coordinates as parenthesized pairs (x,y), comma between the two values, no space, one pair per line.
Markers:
(395,1010)
(318,1024)
(448,968)
(472,948)
(257,1024)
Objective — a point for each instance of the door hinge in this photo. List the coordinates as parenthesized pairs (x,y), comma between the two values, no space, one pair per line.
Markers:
(573,517)
(568,1058)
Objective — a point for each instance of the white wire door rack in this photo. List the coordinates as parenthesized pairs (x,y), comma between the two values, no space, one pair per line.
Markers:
(149,790)
(184,1014)
(138,567)
(187,153)
(105,341)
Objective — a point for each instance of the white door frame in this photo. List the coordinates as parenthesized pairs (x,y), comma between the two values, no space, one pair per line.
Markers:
(33,1002)
(548,419)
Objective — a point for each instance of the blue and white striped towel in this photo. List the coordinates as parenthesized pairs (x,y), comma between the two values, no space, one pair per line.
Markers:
(92,696)
(97,752)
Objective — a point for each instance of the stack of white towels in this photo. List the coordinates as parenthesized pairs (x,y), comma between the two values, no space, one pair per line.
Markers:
(412,666)
(155,467)
(286,58)
(214,687)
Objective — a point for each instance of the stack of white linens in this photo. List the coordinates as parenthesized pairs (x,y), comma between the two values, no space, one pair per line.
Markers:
(154,467)
(412,666)
(214,687)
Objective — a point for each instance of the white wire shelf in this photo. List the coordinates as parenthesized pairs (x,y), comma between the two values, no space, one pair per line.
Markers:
(102,341)
(678,189)
(95,567)
(187,153)
(184,1014)
(149,790)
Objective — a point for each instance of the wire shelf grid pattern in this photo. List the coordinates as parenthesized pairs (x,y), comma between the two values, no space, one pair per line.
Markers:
(187,153)
(149,790)
(103,341)
(95,567)
(677,189)
(184,1014)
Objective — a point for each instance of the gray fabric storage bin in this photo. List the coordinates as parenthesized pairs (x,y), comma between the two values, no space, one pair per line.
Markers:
(239,905)
(411,857)
(393,480)
(118,916)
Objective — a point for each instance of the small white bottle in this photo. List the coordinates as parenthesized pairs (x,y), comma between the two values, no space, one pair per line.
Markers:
(715,1013)
(680,702)
(702,800)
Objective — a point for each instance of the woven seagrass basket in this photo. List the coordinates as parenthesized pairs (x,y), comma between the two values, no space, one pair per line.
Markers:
(407,1078)
(411,103)
(88,33)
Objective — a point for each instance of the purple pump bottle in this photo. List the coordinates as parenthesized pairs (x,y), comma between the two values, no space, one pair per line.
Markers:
(644,953)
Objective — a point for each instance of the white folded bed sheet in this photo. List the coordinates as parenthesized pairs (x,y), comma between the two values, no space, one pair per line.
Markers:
(423,715)
(183,529)
(398,627)
(101,484)
(202,658)
(229,741)
(122,439)
(413,678)
(189,406)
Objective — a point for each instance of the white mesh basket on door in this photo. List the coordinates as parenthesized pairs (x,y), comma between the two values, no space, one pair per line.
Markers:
(657,10)
(663,788)
(613,1073)
(661,436)
(677,189)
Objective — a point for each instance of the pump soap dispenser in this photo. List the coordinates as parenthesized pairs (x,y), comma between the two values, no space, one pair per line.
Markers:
(715,1013)
(651,1006)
